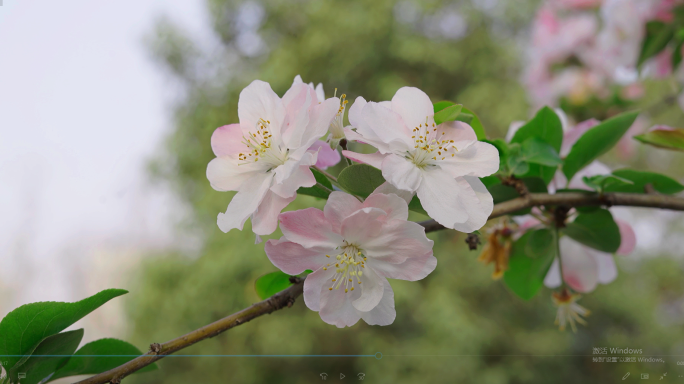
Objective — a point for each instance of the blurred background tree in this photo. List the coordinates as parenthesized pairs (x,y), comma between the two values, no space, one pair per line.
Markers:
(457,325)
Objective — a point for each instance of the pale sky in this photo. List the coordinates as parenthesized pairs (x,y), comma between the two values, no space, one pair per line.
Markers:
(82,108)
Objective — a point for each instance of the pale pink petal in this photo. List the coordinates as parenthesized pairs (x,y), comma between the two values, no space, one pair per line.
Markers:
(371,290)
(339,206)
(355,111)
(225,174)
(571,136)
(372,159)
(396,241)
(294,259)
(297,100)
(438,198)
(607,270)
(527,223)
(245,202)
(478,159)
(386,126)
(628,238)
(265,219)
(384,313)
(314,284)
(477,201)
(351,135)
(227,141)
(362,225)
(285,171)
(394,206)
(322,114)
(320,94)
(553,277)
(414,107)
(401,173)
(310,228)
(387,189)
(512,129)
(579,267)
(258,101)
(301,177)
(412,269)
(461,133)
(327,157)
(336,307)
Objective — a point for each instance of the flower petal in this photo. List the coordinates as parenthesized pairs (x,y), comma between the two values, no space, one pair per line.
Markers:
(579,267)
(327,157)
(354,114)
(383,313)
(607,270)
(461,133)
(258,101)
(297,100)
(227,141)
(313,287)
(402,173)
(371,290)
(225,174)
(300,177)
(387,188)
(394,206)
(245,202)
(384,129)
(628,238)
(553,277)
(292,258)
(265,219)
(414,107)
(372,159)
(339,206)
(412,269)
(478,159)
(362,225)
(396,241)
(440,196)
(336,307)
(479,208)
(310,228)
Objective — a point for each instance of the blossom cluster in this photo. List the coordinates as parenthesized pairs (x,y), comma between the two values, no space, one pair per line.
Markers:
(354,245)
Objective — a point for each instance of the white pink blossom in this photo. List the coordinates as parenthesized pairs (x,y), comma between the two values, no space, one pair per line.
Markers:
(440,163)
(353,247)
(266,157)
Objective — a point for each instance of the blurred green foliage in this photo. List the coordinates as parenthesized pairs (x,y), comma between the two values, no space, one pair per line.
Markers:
(457,325)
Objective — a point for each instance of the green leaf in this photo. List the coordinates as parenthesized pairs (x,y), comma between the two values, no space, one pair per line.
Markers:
(601,182)
(525,275)
(466,114)
(416,206)
(546,126)
(597,141)
(52,353)
(317,191)
(535,150)
(677,55)
(597,230)
(271,283)
(360,179)
(640,179)
(100,356)
(672,138)
(25,327)
(658,34)
(449,113)
(540,243)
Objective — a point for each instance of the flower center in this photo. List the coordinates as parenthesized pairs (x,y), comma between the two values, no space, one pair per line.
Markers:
(348,265)
(261,147)
(428,147)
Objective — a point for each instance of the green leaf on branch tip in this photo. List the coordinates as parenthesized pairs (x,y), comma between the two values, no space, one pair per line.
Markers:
(601,182)
(597,141)
(672,138)
(640,179)
(540,243)
(466,116)
(658,35)
(596,229)
(25,327)
(449,113)
(317,191)
(100,356)
(535,150)
(271,283)
(51,354)
(360,179)
(525,275)
(546,126)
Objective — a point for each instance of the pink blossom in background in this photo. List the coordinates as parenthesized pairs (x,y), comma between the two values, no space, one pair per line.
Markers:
(327,157)
(353,247)
(266,157)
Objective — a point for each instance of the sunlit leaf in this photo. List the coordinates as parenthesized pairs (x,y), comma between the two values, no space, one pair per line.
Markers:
(271,283)
(597,230)
(667,138)
(360,179)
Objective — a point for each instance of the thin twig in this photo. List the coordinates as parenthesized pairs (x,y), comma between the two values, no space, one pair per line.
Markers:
(287,297)
(329,176)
